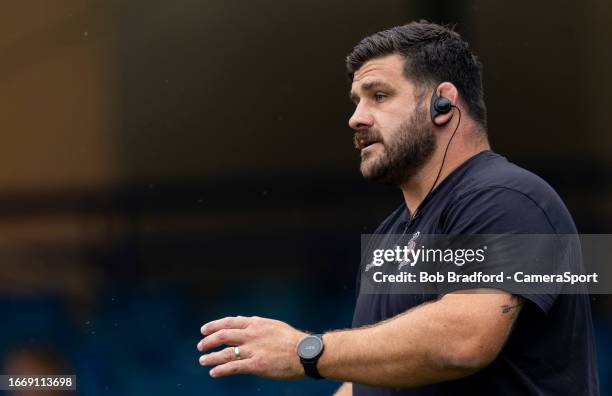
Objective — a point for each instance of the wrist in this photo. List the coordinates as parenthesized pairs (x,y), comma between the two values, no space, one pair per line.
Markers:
(326,360)
(339,346)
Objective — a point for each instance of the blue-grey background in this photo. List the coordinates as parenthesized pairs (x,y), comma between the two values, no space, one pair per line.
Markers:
(166,163)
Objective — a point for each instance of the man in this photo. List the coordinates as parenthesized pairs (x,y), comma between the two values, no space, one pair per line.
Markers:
(420,123)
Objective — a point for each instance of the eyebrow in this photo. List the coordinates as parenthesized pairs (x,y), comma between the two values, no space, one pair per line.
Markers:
(369,86)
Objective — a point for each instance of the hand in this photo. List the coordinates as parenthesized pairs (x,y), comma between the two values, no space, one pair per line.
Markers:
(268,348)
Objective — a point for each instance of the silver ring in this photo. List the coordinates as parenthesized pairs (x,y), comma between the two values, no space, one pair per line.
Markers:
(237,353)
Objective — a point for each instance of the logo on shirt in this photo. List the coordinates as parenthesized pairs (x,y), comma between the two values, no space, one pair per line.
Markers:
(411,245)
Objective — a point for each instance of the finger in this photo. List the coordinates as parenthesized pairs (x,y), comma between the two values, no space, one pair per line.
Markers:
(222,357)
(222,337)
(230,322)
(231,368)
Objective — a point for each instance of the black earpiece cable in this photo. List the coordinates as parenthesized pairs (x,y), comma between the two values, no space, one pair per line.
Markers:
(443,159)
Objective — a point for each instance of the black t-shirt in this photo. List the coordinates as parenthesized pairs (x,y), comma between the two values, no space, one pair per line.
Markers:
(551,348)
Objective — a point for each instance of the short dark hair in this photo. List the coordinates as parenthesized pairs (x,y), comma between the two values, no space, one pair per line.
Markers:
(433,54)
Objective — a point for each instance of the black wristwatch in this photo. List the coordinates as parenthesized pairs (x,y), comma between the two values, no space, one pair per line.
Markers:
(310,349)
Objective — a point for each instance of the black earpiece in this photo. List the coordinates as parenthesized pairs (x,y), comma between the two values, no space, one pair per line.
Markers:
(439,105)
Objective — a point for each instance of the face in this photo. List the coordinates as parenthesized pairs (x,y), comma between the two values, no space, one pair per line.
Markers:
(392,129)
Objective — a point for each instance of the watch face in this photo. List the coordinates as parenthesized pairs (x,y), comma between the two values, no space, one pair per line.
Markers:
(310,347)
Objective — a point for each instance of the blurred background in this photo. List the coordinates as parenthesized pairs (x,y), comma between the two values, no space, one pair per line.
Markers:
(166,163)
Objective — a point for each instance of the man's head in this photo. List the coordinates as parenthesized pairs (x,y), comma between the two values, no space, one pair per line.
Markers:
(394,73)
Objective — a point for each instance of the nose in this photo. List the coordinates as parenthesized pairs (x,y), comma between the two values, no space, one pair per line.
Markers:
(361,118)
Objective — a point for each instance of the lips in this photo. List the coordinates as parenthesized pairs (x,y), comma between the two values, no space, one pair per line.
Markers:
(363,142)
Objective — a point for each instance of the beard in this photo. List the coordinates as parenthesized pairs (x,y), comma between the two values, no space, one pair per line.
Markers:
(410,146)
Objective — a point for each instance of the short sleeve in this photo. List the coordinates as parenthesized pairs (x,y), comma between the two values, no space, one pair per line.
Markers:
(497,211)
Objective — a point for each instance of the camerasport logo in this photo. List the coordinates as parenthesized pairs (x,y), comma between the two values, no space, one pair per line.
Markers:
(410,255)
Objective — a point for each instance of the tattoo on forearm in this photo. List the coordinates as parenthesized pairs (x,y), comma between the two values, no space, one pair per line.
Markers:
(507,308)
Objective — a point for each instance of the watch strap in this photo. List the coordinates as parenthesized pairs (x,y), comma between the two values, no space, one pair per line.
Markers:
(310,368)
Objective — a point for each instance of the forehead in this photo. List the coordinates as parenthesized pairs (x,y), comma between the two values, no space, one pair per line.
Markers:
(388,70)
(391,66)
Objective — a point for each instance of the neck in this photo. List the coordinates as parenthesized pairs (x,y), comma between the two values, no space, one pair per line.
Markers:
(460,150)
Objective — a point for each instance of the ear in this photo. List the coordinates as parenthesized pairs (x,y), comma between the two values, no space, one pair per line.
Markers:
(450,92)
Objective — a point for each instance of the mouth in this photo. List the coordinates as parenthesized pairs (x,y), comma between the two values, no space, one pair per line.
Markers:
(362,143)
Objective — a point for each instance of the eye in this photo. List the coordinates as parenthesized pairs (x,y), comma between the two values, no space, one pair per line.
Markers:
(379,97)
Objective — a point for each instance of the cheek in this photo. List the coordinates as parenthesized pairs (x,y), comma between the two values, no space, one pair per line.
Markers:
(389,131)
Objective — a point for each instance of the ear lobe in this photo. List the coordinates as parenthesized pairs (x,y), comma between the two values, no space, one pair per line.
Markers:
(442,119)
(439,107)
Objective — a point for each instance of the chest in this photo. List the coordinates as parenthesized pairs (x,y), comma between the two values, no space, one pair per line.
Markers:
(372,308)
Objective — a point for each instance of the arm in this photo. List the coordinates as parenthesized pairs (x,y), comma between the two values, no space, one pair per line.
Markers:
(450,338)
(345,390)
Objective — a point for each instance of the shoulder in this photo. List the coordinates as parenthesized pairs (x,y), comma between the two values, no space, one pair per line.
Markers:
(495,171)
(499,196)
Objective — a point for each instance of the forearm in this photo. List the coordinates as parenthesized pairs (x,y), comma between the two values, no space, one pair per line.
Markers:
(345,390)
(432,343)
